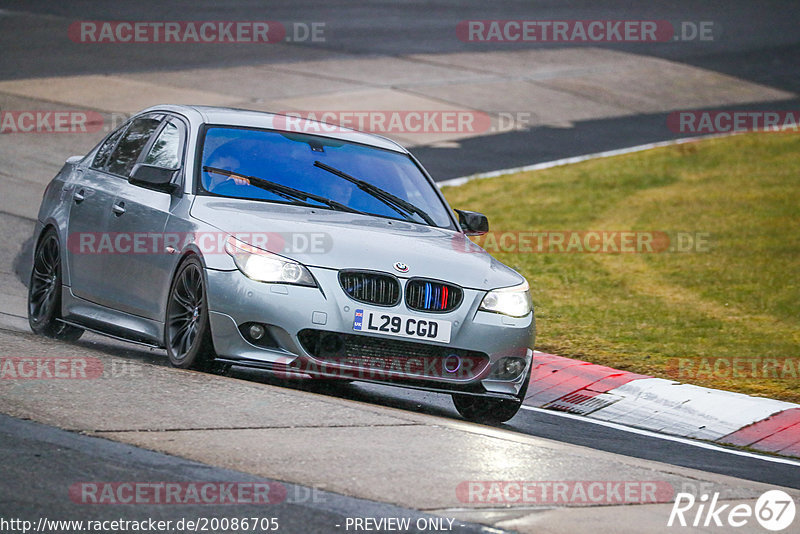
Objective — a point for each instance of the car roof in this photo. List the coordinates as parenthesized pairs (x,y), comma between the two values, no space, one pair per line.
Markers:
(261,119)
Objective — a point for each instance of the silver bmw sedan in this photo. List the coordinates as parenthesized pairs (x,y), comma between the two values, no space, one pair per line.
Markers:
(239,238)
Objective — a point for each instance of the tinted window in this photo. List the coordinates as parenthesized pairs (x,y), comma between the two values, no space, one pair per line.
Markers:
(130,146)
(101,157)
(289,159)
(166,149)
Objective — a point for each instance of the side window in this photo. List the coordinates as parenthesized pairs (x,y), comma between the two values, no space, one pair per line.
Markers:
(166,150)
(130,146)
(101,157)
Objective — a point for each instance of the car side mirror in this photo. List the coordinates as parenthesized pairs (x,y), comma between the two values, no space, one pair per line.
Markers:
(154,177)
(472,223)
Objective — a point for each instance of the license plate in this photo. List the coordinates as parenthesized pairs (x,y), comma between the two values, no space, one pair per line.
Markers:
(395,324)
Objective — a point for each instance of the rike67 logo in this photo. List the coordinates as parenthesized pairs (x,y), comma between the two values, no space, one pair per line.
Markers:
(774,510)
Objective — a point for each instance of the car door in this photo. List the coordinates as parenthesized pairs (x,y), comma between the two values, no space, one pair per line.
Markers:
(138,217)
(89,227)
(90,194)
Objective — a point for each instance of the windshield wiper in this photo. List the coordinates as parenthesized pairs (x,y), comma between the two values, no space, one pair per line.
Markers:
(403,207)
(289,193)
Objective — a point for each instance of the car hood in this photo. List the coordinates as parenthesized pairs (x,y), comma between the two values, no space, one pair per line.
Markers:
(339,240)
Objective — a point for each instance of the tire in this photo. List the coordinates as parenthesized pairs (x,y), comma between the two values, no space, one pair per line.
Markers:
(44,291)
(187,333)
(488,410)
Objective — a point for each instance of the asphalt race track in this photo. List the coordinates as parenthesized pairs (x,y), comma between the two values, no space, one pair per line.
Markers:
(757,42)
(152,423)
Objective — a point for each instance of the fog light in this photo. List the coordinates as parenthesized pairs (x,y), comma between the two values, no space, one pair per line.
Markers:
(508,368)
(513,366)
(256,331)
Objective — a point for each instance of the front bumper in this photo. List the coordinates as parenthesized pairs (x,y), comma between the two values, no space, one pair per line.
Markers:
(295,316)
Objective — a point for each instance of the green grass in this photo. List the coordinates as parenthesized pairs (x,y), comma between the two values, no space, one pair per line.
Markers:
(639,312)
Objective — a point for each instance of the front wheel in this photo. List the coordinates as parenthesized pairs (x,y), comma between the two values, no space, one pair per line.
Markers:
(488,410)
(187,332)
(44,291)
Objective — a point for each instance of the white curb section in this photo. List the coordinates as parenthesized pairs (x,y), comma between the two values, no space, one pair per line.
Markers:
(685,410)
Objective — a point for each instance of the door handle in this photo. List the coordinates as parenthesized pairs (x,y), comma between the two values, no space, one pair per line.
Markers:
(119,208)
(79,196)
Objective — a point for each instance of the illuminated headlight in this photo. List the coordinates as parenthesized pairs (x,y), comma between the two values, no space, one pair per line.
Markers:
(514,301)
(265,266)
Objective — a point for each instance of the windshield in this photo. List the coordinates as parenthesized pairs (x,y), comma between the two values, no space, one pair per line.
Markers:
(317,171)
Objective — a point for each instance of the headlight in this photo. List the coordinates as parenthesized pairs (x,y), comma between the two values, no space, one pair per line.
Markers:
(265,266)
(514,301)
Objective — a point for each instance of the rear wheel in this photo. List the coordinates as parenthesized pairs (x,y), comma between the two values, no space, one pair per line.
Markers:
(44,291)
(488,410)
(187,332)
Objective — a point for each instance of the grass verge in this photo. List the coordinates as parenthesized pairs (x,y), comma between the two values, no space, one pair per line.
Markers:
(724,313)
